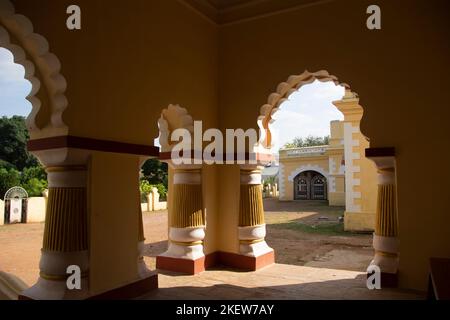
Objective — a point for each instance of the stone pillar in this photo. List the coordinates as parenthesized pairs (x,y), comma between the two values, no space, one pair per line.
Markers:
(66,229)
(252,228)
(186,222)
(143,271)
(385,239)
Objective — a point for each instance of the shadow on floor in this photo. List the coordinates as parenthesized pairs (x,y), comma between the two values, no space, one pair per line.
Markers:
(343,289)
(153,250)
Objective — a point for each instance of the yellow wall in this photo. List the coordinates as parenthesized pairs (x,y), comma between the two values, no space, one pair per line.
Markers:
(229,177)
(336,133)
(400,74)
(114,206)
(130,61)
(290,164)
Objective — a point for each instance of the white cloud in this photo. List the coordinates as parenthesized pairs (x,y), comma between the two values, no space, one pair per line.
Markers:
(309,111)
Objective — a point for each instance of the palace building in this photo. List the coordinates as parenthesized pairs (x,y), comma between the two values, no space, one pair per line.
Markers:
(339,172)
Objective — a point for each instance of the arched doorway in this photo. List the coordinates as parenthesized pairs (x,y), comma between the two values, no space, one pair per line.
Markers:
(354,184)
(310,185)
(16,205)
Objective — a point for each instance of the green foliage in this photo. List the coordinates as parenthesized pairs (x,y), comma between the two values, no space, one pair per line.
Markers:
(154,175)
(162,190)
(33,180)
(155,172)
(309,141)
(14,158)
(13,143)
(145,188)
(35,187)
(8,178)
(33,173)
(329,229)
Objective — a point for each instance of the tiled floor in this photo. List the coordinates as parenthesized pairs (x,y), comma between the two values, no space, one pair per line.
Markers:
(274,282)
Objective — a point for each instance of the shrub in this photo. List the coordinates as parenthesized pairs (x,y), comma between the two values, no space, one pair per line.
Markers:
(35,187)
(8,178)
(146,188)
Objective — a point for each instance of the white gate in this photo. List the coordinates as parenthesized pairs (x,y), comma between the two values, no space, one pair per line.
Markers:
(15,211)
(16,205)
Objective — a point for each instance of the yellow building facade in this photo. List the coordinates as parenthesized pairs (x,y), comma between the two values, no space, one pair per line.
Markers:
(339,172)
(314,173)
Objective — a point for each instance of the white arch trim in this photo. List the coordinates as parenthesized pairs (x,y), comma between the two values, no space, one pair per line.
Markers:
(172,118)
(282,94)
(18,28)
(308,167)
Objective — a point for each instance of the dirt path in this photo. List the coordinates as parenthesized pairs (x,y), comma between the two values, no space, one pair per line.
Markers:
(330,247)
(20,245)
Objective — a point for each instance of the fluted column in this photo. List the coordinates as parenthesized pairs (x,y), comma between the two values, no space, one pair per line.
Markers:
(186,219)
(65,234)
(385,238)
(252,228)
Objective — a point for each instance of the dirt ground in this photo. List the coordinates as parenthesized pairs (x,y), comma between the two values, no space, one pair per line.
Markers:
(305,234)
(309,234)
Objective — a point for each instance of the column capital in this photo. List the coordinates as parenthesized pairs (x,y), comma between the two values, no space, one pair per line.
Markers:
(182,167)
(251,168)
(384,158)
(63,158)
(251,174)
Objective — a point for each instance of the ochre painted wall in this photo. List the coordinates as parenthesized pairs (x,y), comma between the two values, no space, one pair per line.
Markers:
(131,60)
(114,207)
(401,75)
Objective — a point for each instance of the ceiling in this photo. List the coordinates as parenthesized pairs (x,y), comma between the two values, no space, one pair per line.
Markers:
(230,11)
(225,4)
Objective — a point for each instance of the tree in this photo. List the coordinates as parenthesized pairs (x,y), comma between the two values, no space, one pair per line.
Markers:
(14,158)
(33,173)
(35,187)
(309,141)
(155,172)
(8,178)
(13,143)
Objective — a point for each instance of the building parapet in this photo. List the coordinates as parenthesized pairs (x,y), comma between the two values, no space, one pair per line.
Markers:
(305,151)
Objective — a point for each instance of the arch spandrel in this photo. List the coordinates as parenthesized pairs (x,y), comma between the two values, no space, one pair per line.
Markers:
(42,69)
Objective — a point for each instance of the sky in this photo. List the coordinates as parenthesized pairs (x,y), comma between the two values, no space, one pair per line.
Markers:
(13,87)
(308,111)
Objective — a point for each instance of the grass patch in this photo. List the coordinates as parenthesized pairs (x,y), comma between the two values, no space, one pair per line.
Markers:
(330,229)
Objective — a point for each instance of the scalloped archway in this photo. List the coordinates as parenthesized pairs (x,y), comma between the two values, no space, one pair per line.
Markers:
(42,70)
(282,94)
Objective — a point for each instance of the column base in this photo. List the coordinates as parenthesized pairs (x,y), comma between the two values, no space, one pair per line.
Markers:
(228,259)
(181,265)
(130,291)
(55,290)
(388,280)
(245,262)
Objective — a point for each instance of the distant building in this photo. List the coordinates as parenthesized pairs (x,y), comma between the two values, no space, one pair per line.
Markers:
(338,172)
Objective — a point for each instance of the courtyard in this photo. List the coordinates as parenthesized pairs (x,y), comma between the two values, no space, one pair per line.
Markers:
(315,259)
